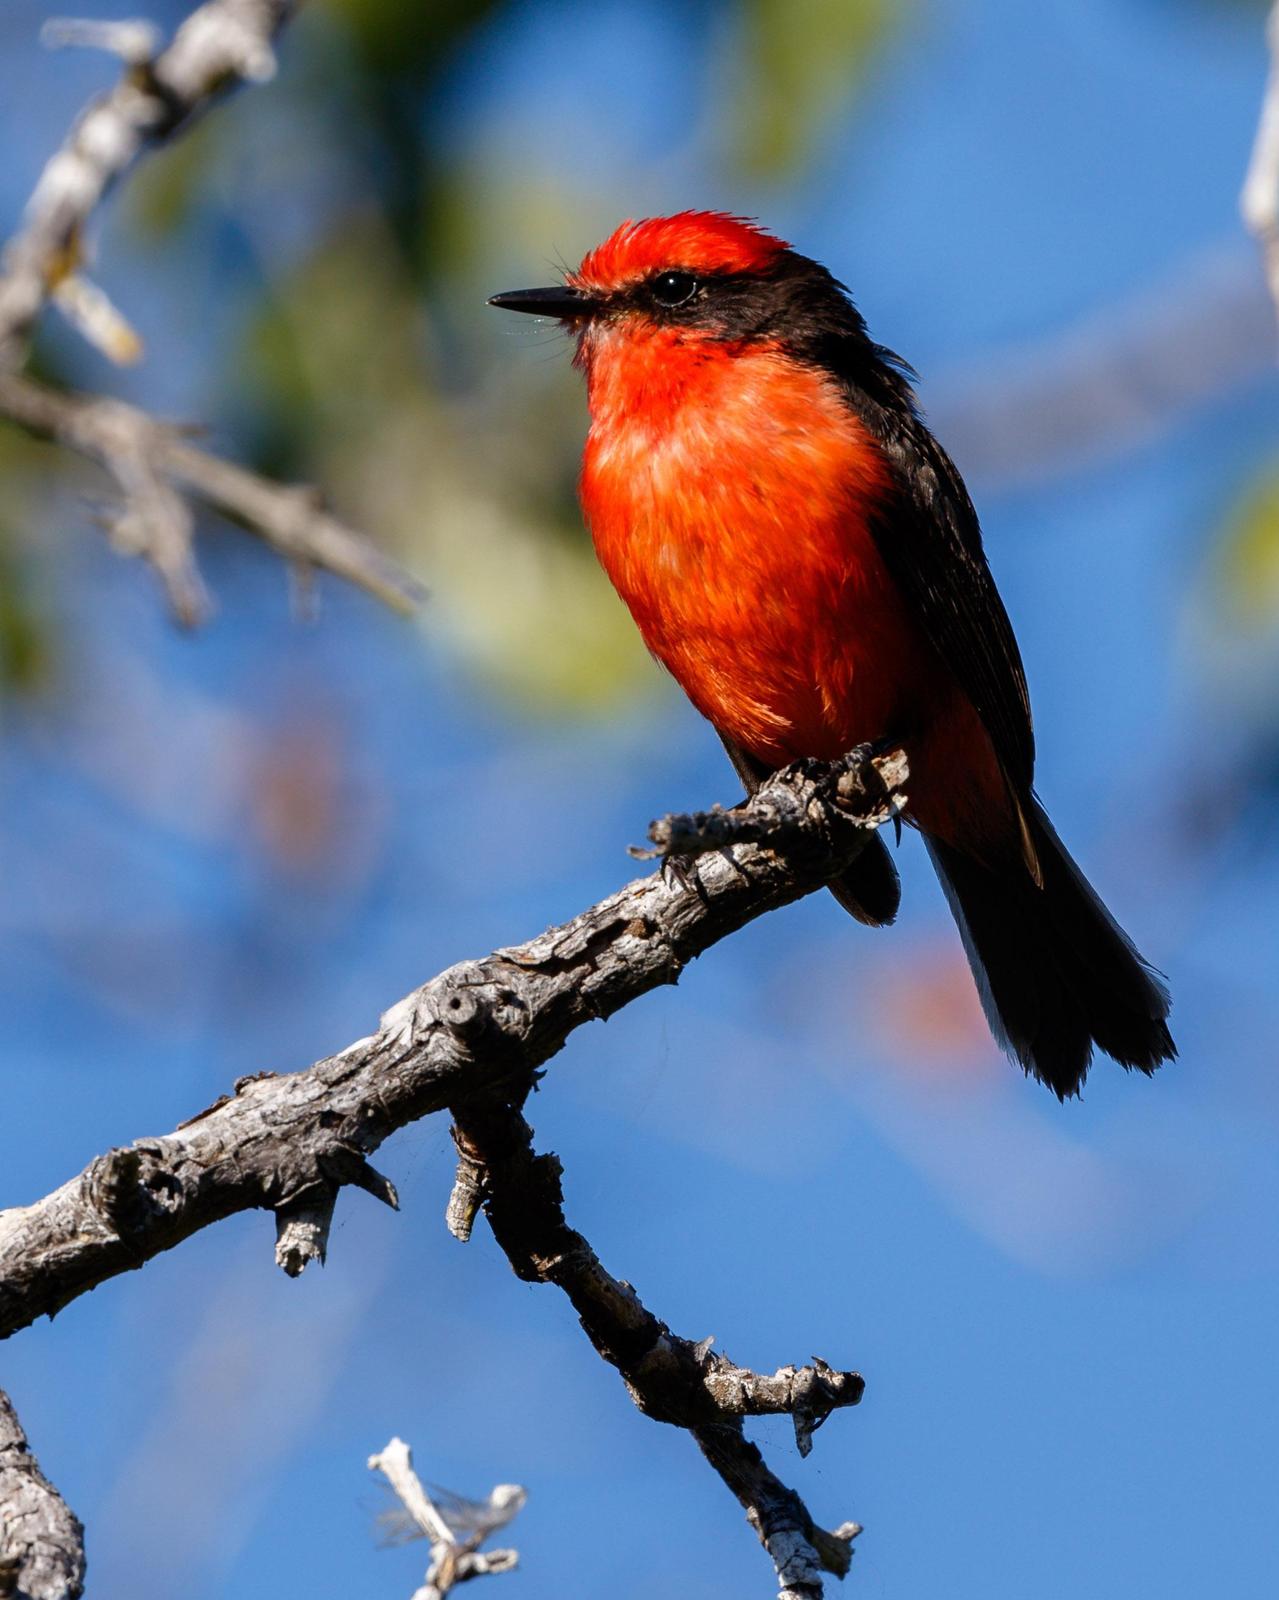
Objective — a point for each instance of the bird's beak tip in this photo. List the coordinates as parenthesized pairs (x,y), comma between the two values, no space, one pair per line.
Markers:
(558,300)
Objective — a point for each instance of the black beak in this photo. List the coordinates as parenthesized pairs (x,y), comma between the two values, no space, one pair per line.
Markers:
(557,301)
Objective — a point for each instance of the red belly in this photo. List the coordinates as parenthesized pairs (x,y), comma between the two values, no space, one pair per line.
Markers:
(734,520)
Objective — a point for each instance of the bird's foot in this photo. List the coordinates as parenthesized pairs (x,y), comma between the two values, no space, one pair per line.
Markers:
(679,872)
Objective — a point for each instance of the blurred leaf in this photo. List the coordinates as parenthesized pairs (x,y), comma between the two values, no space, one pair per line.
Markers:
(800,60)
(1249,557)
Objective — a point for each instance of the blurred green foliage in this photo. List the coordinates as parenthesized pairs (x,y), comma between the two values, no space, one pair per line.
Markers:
(28,559)
(801,59)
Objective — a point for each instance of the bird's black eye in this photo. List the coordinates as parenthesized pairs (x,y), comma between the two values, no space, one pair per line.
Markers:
(674,288)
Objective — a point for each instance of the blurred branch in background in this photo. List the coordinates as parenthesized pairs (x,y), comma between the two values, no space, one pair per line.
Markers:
(223,43)
(473,1040)
(1111,384)
(1259,201)
(41,1541)
(147,457)
(456,1527)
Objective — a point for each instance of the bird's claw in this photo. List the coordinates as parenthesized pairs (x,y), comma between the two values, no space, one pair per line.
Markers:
(679,872)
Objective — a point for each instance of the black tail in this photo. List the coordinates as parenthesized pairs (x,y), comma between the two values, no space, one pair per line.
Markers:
(870,890)
(1056,973)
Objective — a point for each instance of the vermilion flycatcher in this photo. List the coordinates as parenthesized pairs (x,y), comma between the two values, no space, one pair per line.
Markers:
(801,553)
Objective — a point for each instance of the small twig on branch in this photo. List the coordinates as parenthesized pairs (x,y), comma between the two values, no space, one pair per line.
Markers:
(1259,201)
(456,1527)
(223,43)
(476,1027)
(154,522)
(671,1379)
(467,1194)
(41,1541)
(302,1230)
(146,457)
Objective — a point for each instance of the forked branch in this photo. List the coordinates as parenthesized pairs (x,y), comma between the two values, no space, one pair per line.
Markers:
(472,1040)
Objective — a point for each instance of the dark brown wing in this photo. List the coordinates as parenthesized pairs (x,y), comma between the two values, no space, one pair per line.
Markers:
(870,890)
(928,533)
(930,541)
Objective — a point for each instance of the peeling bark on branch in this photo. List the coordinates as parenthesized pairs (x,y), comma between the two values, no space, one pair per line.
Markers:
(280,1141)
(41,1542)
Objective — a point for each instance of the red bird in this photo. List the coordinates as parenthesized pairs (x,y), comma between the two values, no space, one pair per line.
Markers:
(801,553)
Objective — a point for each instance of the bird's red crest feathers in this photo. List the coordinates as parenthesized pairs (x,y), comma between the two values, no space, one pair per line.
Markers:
(695,241)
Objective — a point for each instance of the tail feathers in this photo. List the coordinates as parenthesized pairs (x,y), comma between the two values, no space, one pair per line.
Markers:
(1056,973)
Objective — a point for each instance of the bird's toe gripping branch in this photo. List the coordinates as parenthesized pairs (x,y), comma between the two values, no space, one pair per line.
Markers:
(825,807)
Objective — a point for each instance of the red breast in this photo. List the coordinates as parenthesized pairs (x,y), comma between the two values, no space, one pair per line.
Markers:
(728,491)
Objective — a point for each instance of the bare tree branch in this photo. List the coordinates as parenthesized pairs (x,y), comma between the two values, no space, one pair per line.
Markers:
(1259,201)
(669,1378)
(473,1040)
(41,1541)
(223,43)
(286,1142)
(146,457)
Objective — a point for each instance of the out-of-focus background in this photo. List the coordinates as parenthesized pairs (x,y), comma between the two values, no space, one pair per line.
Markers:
(226,853)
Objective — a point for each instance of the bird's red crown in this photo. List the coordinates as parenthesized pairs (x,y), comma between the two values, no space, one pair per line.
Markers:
(693,241)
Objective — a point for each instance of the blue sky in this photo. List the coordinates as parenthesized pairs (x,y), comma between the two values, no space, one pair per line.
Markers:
(1065,1315)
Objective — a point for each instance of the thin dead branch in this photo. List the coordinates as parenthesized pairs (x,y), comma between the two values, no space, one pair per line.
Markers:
(283,1142)
(155,466)
(147,457)
(220,45)
(41,1541)
(672,1379)
(455,1527)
